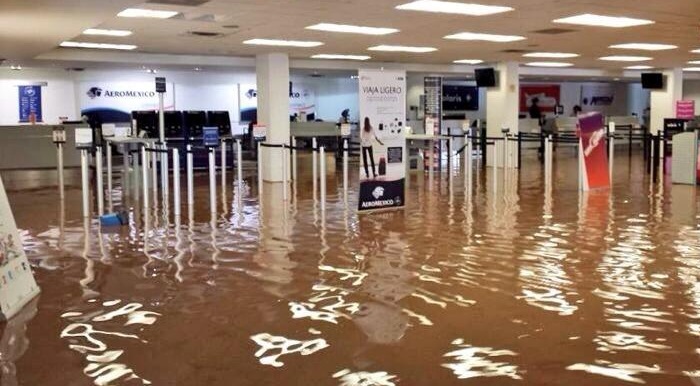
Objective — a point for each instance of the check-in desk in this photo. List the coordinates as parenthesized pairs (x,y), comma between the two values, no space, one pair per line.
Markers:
(31,147)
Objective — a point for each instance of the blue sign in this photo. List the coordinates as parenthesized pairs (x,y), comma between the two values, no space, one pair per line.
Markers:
(30,103)
(211,136)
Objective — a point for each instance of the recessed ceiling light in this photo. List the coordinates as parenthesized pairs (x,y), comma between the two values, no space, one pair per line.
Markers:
(16,67)
(603,21)
(622,58)
(645,46)
(149,13)
(692,69)
(106,32)
(469,61)
(99,46)
(485,37)
(389,48)
(549,64)
(353,29)
(453,7)
(197,69)
(638,68)
(341,57)
(694,62)
(553,55)
(283,43)
(696,51)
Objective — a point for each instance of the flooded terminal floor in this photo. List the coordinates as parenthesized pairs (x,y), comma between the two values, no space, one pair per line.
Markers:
(503,283)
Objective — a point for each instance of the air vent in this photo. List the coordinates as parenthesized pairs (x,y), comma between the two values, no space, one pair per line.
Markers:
(205,34)
(316,75)
(187,3)
(516,51)
(554,31)
(75,69)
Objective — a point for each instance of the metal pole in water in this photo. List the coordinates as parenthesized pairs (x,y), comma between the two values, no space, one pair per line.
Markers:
(176,181)
(294,158)
(314,163)
(322,155)
(260,176)
(285,171)
(154,172)
(109,174)
(165,172)
(100,181)
(190,176)
(223,164)
(85,182)
(611,160)
(59,156)
(345,167)
(212,179)
(144,161)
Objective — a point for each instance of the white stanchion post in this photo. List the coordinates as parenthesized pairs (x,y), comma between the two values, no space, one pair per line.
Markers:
(547,160)
(345,167)
(144,168)
(294,158)
(223,164)
(260,171)
(59,156)
(176,182)
(496,156)
(190,176)
(314,162)
(85,182)
(611,159)
(505,151)
(322,155)
(154,173)
(466,150)
(165,172)
(212,180)
(451,143)
(100,181)
(239,162)
(110,174)
(285,172)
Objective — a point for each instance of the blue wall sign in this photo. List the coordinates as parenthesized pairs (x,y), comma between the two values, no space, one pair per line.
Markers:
(30,102)
(211,136)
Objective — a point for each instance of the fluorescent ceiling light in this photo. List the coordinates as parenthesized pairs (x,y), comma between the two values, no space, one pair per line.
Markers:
(149,13)
(622,58)
(485,37)
(469,61)
(696,51)
(402,49)
(341,57)
(603,21)
(283,43)
(694,62)
(106,32)
(453,7)
(99,46)
(549,64)
(638,68)
(553,55)
(645,46)
(353,29)
(692,69)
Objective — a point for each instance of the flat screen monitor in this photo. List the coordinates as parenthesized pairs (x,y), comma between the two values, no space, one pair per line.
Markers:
(173,124)
(221,120)
(485,77)
(194,121)
(146,122)
(653,80)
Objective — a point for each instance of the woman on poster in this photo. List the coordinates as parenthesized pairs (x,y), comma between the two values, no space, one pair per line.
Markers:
(367,136)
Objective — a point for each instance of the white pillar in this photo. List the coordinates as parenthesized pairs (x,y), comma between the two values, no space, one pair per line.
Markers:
(502,105)
(663,102)
(273,109)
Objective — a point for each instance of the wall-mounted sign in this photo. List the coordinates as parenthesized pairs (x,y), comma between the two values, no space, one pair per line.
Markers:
(30,104)
(597,97)
(113,102)
(460,98)
(259,131)
(685,109)
(302,101)
(17,284)
(548,96)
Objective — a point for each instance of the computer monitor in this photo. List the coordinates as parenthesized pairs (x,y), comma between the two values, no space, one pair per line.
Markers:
(485,77)
(221,120)
(146,122)
(194,121)
(653,81)
(173,124)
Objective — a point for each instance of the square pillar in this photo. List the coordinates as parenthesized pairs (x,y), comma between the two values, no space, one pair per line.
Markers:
(663,102)
(273,109)
(502,106)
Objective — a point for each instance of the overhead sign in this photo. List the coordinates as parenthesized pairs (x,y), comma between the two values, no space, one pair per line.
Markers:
(382,139)
(17,284)
(160,85)
(30,104)
(113,102)
(460,98)
(593,151)
(302,100)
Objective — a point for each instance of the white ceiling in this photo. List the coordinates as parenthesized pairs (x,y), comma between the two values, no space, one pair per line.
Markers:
(31,29)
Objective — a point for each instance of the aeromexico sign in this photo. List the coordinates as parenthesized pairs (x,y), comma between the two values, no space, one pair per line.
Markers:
(302,100)
(114,101)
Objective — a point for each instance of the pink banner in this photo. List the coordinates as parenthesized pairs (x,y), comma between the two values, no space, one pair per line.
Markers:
(685,109)
(592,135)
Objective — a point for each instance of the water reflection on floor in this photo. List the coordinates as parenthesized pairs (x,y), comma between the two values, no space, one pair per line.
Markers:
(502,282)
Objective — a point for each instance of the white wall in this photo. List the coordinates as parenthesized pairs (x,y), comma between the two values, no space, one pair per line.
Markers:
(570,95)
(691,91)
(333,95)
(58,96)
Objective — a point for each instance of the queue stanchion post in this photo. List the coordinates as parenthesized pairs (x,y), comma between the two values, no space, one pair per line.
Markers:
(294,158)
(59,139)
(165,172)
(611,150)
(345,168)
(450,145)
(154,174)
(314,162)
(190,176)
(110,175)
(144,174)
(285,172)
(212,179)
(85,181)
(260,172)
(223,164)
(176,181)
(322,157)
(100,181)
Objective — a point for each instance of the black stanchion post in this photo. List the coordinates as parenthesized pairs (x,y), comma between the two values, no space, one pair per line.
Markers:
(520,149)
(630,142)
(482,133)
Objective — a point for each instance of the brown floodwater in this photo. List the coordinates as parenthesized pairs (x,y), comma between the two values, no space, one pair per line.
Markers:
(502,283)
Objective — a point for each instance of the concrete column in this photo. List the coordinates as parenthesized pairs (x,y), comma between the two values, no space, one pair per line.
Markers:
(502,106)
(273,109)
(663,102)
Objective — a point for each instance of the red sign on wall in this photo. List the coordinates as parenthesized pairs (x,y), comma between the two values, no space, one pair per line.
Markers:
(548,96)
(685,109)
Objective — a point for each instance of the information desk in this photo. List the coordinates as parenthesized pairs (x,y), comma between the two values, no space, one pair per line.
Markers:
(31,147)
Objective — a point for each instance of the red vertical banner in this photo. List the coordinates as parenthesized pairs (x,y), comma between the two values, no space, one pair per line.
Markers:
(592,148)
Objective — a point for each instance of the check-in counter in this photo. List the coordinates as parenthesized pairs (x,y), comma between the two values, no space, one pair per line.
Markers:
(32,147)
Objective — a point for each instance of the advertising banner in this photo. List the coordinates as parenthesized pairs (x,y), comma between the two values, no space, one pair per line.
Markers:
(302,100)
(382,137)
(17,285)
(548,96)
(433,104)
(113,102)
(460,98)
(592,148)
(685,109)
(30,103)
(597,97)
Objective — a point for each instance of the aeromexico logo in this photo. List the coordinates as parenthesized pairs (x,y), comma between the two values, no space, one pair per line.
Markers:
(293,94)
(97,92)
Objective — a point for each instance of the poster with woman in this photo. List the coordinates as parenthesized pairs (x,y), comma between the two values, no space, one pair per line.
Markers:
(593,151)
(382,138)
